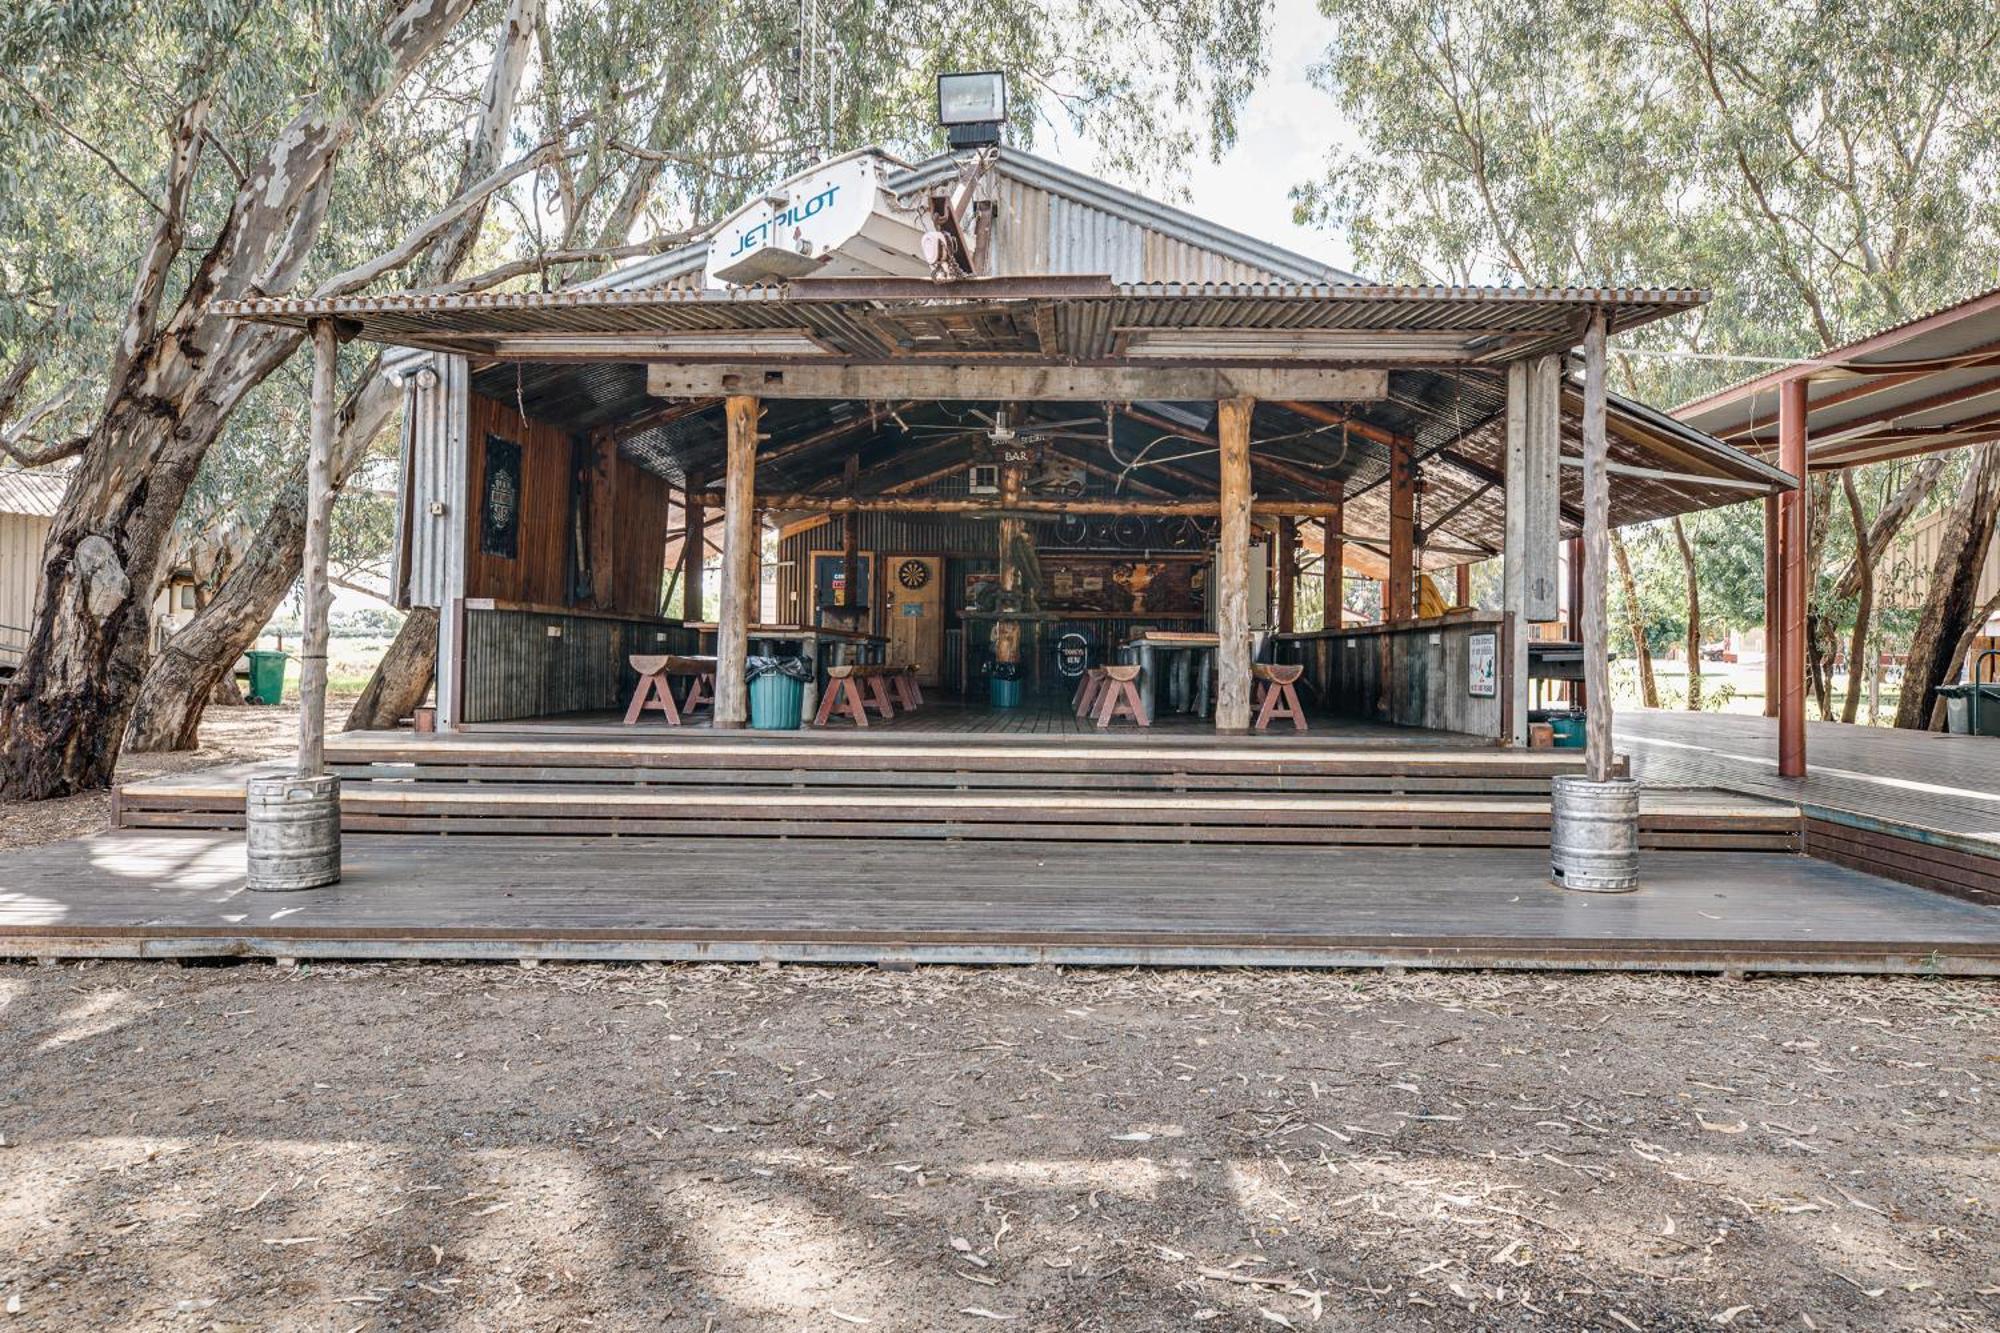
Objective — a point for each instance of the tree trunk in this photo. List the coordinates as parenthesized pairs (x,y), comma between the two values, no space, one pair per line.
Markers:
(1821,632)
(1649,688)
(172,387)
(402,678)
(189,673)
(1693,615)
(1948,607)
(1963,650)
(1864,605)
(183,679)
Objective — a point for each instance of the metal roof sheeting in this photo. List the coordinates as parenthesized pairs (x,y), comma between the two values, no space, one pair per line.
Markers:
(36,494)
(1924,386)
(859,318)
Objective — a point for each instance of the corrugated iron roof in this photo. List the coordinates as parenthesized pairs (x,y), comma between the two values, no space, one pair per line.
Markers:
(1093,320)
(37,494)
(1924,386)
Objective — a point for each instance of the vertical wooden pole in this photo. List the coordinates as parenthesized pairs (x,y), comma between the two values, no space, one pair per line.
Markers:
(1774,604)
(319,523)
(1597,757)
(1514,558)
(1573,629)
(1333,570)
(1232,594)
(694,553)
(1288,574)
(1792,518)
(1005,639)
(740,560)
(1399,593)
(1462,594)
(850,564)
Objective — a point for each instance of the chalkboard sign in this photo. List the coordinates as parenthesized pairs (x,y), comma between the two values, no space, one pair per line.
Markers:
(500,500)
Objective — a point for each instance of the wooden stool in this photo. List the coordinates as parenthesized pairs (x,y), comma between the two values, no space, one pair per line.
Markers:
(653,691)
(1088,689)
(698,695)
(909,694)
(1279,693)
(1120,697)
(844,693)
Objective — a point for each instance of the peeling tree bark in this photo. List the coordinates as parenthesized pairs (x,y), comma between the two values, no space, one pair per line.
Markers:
(170,391)
(1949,607)
(186,676)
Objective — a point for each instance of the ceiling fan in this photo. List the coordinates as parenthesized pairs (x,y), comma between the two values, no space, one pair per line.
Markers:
(998,429)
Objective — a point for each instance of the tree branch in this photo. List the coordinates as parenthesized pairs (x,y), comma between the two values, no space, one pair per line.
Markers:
(493,277)
(441,221)
(49,114)
(142,312)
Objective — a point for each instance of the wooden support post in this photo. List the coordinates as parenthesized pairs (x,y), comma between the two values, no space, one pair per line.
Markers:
(694,550)
(1514,559)
(1774,604)
(1006,634)
(1399,592)
(1333,570)
(1288,574)
(850,566)
(1597,757)
(1792,526)
(1573,623)
(1232,594)
(319,525)
(1462,594)
(740,560)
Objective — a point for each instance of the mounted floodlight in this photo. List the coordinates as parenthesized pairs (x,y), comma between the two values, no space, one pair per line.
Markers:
(972,107)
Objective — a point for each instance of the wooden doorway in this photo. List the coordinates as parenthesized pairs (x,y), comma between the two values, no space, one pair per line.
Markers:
(915,604)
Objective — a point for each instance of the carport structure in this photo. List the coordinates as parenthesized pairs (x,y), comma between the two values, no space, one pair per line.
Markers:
(1927,386)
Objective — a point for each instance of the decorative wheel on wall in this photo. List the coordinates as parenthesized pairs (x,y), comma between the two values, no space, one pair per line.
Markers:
(913,574)
(1074,530)
(1130,531)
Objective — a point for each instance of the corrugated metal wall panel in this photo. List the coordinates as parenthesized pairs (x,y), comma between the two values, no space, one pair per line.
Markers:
(1083,239)
(21,539)
(516,668)
(435,469)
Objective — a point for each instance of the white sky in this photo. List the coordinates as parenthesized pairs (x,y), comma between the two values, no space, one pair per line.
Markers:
(1283,133)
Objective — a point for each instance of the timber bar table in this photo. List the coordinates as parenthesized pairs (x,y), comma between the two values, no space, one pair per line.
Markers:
(823,646)
(1192,653)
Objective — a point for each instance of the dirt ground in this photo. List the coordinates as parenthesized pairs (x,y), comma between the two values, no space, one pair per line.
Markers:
(228,736)
(717,1148)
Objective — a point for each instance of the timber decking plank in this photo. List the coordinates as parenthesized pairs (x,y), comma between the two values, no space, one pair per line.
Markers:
(139,891)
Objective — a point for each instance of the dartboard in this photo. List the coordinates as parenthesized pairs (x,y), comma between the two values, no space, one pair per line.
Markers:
(913,574)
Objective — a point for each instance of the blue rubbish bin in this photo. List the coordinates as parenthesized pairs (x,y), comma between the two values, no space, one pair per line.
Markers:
(1003,687)
(777,692)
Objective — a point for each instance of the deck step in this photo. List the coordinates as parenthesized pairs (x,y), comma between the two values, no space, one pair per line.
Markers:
(1669,819)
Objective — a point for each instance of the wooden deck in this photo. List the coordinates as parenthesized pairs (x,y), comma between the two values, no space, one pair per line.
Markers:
(1915,805)
(679,783)
(161,894)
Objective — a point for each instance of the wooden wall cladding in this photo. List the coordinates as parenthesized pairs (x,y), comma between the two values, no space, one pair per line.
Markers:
(638,539)
(1416,677)
(539,571)
(628,521)
(1907,860)
(521,664)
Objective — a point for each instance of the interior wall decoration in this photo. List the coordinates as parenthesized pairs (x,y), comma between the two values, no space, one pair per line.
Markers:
(1125,584)
(500,499)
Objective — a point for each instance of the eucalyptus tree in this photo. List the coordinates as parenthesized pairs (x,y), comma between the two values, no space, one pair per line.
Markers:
(1827,169)
(244,147)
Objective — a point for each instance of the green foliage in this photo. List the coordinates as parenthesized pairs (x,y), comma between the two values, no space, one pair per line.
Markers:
(1825,169)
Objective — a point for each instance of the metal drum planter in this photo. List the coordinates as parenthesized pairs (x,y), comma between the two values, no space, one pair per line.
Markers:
(293,829)
(1594,834)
